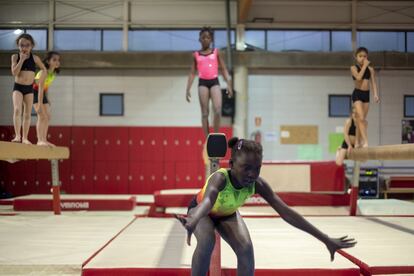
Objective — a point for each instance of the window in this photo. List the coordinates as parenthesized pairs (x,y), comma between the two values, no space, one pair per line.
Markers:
(8,38)
(382,41)
(78,40)
(255,38)
(112,40)
(40,38)
(163,40)
(341,41)
(220,38)
(410,41)
(111,104)
(298,41)
(408,105)
(339,105)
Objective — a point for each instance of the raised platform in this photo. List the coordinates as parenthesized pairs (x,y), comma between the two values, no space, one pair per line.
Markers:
(76,202)
(45,244)
(162,250)
(385,246)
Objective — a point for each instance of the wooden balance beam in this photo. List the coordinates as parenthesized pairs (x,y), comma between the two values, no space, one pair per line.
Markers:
(13,152)
(386,152)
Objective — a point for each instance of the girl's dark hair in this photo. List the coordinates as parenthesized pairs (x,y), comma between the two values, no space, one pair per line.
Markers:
(207,29)
(238,146)
(361,49)
(25,36)
(47,58)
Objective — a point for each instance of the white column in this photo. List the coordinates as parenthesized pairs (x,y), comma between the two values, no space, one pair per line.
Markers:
(51,24)
(240,41)
(240,86)
(354,24)
(125,26)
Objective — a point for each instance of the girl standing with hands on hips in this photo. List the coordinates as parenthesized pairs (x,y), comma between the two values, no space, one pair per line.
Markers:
(23,67)
(364,77)
(206,61)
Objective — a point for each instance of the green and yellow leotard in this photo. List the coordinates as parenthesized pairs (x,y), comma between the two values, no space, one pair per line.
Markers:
(48,81)
(229,199)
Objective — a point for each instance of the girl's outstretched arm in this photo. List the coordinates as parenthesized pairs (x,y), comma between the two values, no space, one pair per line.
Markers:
(298,221)
(216,183)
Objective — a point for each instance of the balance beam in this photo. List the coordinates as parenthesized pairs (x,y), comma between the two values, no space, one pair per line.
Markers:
(387,152)
(17,151)
(13,151)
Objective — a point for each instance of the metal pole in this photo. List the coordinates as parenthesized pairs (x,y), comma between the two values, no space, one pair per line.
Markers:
(215,262)
(125,26)
(354,24)
(55,186)
(228,29)
(354,189)
(51,24)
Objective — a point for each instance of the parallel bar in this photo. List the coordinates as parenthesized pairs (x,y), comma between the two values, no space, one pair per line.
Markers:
(388,152)
(13,151)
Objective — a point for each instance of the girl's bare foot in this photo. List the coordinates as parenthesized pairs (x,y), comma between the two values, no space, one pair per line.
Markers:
(365,145)
(26,142)
(17,139)
(41,143)
(50,144)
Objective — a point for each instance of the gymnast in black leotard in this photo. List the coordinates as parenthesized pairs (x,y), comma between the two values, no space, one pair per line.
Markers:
(351,136)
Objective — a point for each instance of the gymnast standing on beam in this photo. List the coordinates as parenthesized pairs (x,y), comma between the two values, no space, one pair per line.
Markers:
(351,138)
(364,77)
(41,100)
(206,61)
(23,67)
(216,208)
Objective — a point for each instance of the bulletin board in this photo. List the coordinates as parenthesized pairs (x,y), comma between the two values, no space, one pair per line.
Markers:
(299,134)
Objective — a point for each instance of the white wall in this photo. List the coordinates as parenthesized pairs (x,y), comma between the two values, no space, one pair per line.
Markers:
(151,98)
(301,98)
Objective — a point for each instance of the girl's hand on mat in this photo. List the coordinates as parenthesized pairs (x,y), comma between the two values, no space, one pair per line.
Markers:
(188,96)
(335,244)
(189,224)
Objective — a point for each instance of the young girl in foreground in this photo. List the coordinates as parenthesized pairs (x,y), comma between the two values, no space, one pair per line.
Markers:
(216,208)
(206,62)
(41,101)
(23,67)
